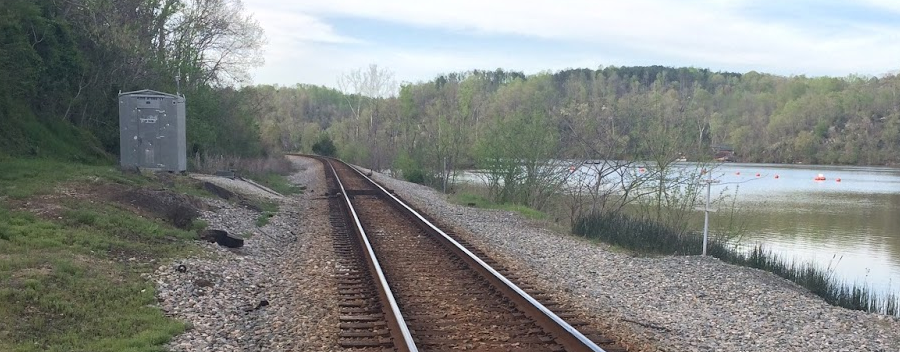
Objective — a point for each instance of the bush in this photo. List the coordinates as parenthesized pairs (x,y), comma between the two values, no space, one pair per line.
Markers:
(415,176)
(324,147)
(641,235)
(411,169)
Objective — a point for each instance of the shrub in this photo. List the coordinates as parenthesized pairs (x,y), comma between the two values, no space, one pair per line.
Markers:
(324,146)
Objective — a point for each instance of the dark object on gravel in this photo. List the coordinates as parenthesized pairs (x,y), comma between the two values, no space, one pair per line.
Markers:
(261,304)
(218,191)
(203,283)
(222,238)
(181,269)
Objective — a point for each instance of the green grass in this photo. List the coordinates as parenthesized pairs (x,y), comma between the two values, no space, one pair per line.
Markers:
(190,186)
(277,182)
(638,235)
(22,178)
(268,209)
(268,206)
(649,237)
(198,225)
(70,279)
(263,218)
(469,199)
(64,290)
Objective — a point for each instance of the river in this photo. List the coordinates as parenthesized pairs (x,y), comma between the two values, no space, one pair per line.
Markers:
(851,226)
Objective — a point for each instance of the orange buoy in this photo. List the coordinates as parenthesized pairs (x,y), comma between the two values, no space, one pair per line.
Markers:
(757,175)
(738,173)
(642,170)
(819,178)
(776,175)
(838,179)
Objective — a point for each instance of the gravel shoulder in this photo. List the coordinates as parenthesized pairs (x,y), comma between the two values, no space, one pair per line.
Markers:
(276,293)
(662,303)
(239,186)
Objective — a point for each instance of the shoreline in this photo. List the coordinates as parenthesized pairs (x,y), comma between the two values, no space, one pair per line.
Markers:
(648,303)
(675,303)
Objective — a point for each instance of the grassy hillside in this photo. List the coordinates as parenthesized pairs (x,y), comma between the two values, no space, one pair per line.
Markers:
(22,134)
(74,242)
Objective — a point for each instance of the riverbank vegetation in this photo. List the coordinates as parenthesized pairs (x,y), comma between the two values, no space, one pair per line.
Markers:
(63,70)
(477,201)
(608,140)
(650,237)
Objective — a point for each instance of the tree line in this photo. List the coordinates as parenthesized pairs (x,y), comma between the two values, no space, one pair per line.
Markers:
(609,113)
(63,63)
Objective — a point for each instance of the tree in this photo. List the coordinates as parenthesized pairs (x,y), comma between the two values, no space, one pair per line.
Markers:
(365,89)
(212,41)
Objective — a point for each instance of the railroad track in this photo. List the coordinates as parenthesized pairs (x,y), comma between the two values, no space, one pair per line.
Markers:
(407,285)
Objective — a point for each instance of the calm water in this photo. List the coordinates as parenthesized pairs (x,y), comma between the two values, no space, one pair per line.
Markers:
(851,226)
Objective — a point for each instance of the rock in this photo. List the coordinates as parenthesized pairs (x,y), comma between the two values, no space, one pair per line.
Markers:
(261,304)
(222,238)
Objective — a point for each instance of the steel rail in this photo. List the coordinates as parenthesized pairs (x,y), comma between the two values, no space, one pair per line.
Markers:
(400,329)
(568,336)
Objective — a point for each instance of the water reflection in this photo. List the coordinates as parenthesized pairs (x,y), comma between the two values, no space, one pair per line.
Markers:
(851,225)
(854,233)
(849,222)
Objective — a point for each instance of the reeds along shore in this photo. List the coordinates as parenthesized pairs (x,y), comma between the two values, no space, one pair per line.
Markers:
(650,237)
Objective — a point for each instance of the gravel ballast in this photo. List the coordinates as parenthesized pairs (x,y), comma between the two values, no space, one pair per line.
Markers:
(662,303)
(276,293)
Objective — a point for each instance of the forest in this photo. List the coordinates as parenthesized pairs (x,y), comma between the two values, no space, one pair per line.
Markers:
(611,112)
(64,62)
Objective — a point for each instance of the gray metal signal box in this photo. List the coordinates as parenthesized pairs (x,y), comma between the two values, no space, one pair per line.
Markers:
(152,131)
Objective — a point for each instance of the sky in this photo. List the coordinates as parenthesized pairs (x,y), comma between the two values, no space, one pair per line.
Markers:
(316,41)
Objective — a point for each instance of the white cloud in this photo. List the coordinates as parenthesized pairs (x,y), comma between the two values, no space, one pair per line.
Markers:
(705,33)
(292,33)
(887,5)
